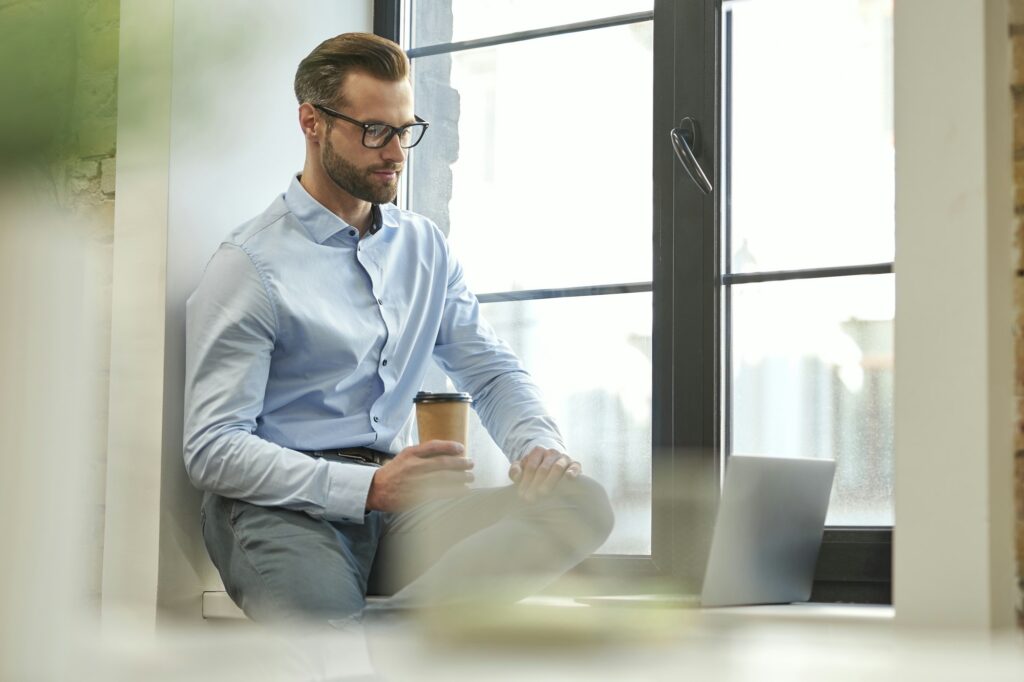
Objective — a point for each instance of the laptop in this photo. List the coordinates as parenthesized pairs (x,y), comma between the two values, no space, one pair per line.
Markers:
(768,531)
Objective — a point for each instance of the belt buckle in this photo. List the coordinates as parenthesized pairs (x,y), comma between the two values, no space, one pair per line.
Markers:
(367,459)
(351,458)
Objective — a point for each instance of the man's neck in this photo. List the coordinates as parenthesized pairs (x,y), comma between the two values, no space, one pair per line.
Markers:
(353,211)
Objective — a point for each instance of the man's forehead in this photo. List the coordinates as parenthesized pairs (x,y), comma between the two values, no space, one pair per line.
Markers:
(365,84)
(369,97)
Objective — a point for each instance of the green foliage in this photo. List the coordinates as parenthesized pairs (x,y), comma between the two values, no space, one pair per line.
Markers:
(58,80)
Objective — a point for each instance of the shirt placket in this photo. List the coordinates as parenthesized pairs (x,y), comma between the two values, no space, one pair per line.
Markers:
(385,370)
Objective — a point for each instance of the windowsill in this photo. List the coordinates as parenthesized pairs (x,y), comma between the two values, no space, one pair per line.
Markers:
(217,605)
(845,613)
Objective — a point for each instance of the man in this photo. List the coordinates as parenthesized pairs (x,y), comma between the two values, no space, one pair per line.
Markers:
(307,339)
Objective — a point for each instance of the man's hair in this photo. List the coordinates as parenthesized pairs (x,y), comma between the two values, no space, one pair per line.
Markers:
(322,73)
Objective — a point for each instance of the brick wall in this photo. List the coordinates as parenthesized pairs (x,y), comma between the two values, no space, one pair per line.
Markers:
(1017,38)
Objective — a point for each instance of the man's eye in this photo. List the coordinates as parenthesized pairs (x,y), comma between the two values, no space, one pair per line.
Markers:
(376,130)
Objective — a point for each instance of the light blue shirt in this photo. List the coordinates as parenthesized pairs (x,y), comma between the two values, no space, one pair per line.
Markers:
(302,336)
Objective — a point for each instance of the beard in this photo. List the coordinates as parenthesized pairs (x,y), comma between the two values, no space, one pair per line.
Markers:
(359,182)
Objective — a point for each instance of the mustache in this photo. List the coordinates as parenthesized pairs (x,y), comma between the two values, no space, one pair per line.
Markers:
(391,168)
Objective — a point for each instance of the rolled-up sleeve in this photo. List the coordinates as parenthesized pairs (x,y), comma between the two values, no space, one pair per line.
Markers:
(504,394)
(231,329)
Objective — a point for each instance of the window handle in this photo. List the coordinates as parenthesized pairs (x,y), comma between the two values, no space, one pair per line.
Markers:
(686,142)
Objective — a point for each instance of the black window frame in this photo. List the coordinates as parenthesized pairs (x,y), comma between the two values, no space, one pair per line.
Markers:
(687,287)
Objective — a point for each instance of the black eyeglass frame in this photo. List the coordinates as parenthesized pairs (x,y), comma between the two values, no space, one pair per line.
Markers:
(392,130)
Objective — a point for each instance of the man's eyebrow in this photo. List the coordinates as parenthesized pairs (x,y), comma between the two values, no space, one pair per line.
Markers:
(373,121)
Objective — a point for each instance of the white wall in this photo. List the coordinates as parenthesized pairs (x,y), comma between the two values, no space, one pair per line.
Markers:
(953,559)
(235,143)
(132,515)
(210,137)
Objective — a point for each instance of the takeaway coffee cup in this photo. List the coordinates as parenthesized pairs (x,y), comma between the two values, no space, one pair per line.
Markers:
(443,416)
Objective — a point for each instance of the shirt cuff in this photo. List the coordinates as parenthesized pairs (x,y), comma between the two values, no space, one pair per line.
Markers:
(349,486)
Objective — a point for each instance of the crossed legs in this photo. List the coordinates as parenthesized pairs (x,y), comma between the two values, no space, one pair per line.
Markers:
(283,566)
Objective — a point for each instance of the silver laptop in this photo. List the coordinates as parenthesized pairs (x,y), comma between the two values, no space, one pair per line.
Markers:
(768,531)
(767,535)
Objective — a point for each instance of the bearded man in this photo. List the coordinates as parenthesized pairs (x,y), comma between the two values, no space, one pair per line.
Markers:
(308,337)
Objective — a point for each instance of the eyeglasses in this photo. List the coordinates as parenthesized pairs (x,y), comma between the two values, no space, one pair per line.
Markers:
(377,135)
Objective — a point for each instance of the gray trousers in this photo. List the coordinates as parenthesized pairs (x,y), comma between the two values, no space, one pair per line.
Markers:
(283,566)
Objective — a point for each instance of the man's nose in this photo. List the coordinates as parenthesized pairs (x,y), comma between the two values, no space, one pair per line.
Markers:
(393,151)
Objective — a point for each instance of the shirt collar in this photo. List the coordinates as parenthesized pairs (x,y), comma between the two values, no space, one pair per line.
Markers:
(387,214)
(318,221)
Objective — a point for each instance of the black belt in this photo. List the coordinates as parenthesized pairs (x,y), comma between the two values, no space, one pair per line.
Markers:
(352,455)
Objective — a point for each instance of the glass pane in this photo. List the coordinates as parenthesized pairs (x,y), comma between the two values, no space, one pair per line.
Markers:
(596,381)
(449,21)
(812,376)
(811,133)
(540,169)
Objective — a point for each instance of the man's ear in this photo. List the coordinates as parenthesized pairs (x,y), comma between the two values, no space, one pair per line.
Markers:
(309,122)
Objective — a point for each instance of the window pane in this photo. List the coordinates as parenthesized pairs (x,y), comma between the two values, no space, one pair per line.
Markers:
(812,134)
(539,159)
(596,380)
(812,376)
(470,19)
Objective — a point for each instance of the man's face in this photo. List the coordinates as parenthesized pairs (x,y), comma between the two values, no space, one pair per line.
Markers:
(368,174)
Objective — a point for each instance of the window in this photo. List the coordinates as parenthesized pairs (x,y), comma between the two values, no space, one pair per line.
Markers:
(515,159)
(755,319)
(808,236)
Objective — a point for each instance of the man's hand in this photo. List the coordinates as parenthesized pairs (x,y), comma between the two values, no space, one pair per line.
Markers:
(434,468)
(540,471)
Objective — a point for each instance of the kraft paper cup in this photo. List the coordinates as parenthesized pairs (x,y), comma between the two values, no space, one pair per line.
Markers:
(443,416)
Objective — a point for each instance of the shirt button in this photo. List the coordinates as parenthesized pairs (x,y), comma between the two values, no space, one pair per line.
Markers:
(380,302)
(384,363)
(376,419)
(351,233)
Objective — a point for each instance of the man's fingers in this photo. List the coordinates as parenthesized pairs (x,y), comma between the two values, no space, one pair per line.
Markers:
(441,463)
(529,465)
(541,472)
(545,460)
(434,448)
(448,478)
(557,469)
(547,467)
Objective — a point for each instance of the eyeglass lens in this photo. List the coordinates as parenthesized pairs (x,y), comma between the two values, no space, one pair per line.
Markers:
(379,135)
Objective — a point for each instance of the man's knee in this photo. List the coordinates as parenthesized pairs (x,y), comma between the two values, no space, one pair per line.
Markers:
(596,506)
(586,511)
